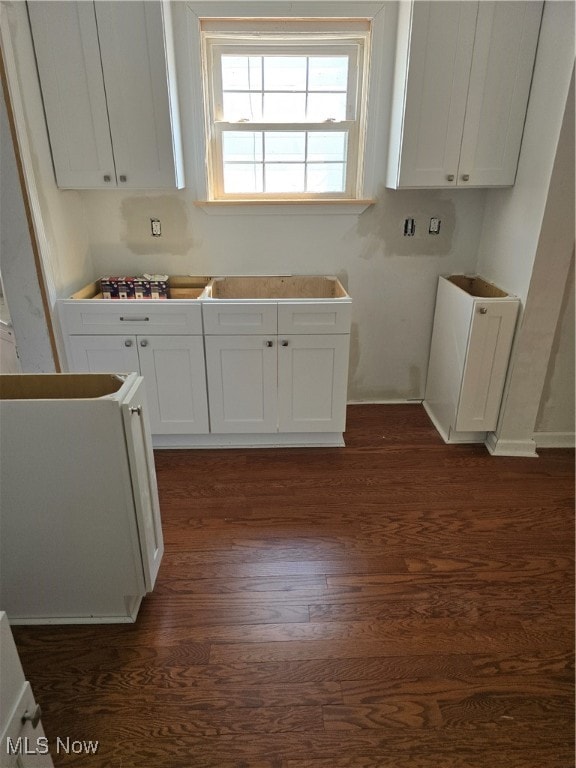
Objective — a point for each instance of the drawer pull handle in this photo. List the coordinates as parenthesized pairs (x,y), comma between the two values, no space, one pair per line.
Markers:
(135,319)
(33,717)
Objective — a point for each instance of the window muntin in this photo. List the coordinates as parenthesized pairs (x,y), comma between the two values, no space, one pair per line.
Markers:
(285,116)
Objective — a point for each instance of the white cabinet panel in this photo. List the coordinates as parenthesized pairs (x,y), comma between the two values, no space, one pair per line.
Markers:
(175,375)
(242,381)
(461,88)
(103,354)
(312,383)
(314,317)
(73,91)
(240,317)
(504,50)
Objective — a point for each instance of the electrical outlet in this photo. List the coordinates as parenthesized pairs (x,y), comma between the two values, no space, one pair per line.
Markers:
(434,228)
(409,227)
(155,227)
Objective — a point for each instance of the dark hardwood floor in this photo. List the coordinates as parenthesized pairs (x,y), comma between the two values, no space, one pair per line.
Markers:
(398,603)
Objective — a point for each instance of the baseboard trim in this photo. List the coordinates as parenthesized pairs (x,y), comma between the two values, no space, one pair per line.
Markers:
(555,439)
(399,401)
(520,448)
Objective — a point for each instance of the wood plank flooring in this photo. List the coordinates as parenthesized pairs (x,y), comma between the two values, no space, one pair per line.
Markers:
(398,603)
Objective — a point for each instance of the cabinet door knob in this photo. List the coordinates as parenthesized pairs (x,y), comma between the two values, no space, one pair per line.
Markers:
(284,342)
(144,343)
(482,310)
(122,177)
(465,176)
(33,717)
(136,410)
(107,177)
(128,343)
(269,343)
(450,177)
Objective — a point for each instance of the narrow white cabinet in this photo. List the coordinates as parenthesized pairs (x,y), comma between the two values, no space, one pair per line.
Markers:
(161,340)
(23,743)
(472,336)
(461,87)
(108,83)
(88,512)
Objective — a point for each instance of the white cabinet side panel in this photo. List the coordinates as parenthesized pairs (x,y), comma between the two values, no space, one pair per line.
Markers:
(71,79)
(146,503)
(66,493)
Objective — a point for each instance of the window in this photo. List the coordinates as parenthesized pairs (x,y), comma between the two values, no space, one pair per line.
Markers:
(284,108)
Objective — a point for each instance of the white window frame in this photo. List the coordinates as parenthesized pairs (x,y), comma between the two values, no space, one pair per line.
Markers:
(257,37)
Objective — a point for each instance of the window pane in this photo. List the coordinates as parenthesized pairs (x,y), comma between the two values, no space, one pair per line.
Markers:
(241,73)
(243,146)
(284,177)
(326,178)
(285,146)
(242,106)
(242,178)
(284,107)
(326,106)
(328,73)
(285,73)
(327,146)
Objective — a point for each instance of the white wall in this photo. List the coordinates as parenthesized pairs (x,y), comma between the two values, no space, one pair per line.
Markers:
(528,232)
(557,413)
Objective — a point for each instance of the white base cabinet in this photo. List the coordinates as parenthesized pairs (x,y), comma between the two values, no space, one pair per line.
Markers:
(472,336)
(23,743)
(161,340)
(461,86)
(79,496)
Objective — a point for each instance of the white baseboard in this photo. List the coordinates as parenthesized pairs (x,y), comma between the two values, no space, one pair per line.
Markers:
(555,439)
(525,448)
(399,401)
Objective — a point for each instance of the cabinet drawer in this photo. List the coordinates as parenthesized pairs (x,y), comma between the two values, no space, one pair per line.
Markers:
(314,317)
(122,317)
(238,318)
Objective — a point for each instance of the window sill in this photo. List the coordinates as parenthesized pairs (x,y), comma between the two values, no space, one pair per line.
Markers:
(283,207)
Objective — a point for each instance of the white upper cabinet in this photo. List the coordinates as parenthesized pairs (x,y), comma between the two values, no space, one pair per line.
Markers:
(461,87)
(108,83)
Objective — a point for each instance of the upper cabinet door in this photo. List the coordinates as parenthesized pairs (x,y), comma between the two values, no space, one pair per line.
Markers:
(66,45)
(138,79)
(504,52)
(435,44)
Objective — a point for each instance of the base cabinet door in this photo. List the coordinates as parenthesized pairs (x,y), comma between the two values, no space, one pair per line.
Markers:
(242,381)
(103,354)
(313,380)
(175,375)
